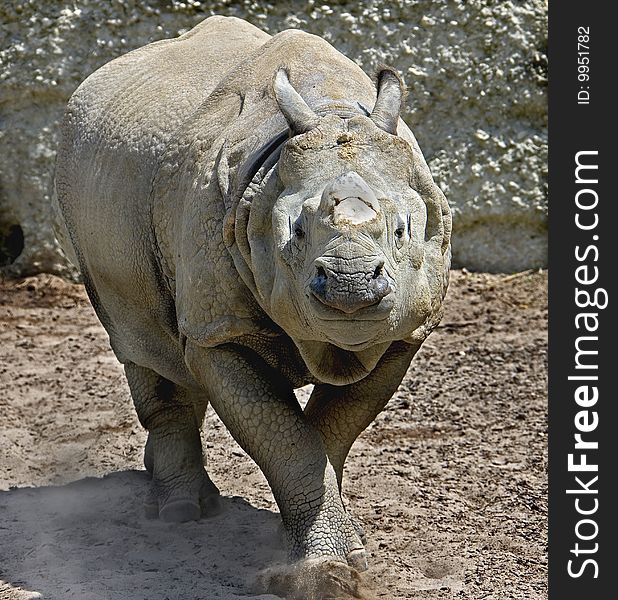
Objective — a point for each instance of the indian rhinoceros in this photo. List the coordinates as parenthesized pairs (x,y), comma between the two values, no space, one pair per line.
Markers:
(250,215)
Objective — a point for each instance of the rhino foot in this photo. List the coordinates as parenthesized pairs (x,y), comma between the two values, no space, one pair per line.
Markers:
(180,511)
(314,579)
(181,503)
(360,530)
(358,559)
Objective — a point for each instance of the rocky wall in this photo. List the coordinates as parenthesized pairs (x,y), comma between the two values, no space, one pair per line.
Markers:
(476,72)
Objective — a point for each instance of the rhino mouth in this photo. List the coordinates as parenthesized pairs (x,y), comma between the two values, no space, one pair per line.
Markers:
(378,311)
(352,347)
(352,338)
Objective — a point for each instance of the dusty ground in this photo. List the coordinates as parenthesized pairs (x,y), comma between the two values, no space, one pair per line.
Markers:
(450,481)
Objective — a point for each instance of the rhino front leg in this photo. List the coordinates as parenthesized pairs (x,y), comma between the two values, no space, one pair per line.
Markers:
(181,489)
(342,413)
(264,417)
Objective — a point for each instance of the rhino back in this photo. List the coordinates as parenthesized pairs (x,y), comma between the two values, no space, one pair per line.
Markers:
(116,128)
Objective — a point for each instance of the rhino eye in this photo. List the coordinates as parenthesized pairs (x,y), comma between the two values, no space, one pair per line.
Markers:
(296,228)
(400,233)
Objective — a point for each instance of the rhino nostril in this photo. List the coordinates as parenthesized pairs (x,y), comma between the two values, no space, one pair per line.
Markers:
(378,271)
(380,287)
(318,283)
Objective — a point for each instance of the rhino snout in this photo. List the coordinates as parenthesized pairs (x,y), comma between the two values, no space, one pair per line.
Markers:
(349,292)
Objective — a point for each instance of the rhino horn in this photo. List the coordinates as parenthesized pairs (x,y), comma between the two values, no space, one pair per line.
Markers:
(297,113)
(386,111)
(350,200)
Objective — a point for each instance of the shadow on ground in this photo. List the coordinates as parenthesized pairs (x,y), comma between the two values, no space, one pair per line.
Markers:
(90,540)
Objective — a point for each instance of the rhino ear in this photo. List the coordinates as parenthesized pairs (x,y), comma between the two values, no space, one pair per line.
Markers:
(297,113)
(391,92)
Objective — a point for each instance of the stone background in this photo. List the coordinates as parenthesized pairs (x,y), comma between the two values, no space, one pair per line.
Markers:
(476,72)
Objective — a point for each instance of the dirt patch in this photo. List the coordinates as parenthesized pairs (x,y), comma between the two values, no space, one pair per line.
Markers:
(449,482)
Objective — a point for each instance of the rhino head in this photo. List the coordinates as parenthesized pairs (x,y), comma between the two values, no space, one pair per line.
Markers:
(354,252)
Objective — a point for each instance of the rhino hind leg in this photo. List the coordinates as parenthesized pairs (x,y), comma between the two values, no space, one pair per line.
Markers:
(181,489)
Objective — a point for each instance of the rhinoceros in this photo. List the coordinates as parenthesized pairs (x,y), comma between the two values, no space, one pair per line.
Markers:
(250,215)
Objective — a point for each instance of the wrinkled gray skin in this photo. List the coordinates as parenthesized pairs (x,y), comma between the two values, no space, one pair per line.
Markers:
(248,219)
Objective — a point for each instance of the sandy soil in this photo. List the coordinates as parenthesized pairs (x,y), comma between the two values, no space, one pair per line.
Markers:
(450,481)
